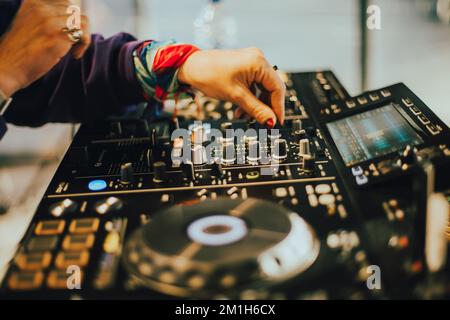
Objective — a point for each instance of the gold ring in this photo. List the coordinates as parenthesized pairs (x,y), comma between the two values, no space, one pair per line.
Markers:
(75,35)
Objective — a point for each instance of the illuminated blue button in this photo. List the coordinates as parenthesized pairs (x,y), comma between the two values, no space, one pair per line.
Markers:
(97,185)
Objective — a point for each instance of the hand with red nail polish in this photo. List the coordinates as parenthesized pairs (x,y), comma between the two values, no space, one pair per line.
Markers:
(231,75)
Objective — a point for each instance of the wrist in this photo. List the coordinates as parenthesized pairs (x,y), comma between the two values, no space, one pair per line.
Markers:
(185,70)
(8,84)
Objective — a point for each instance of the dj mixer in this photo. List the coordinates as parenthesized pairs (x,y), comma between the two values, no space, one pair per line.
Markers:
(347,200)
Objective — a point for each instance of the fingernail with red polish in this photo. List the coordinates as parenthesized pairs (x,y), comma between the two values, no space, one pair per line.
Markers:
(270,124)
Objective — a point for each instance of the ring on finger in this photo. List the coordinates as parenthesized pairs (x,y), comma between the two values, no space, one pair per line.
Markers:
(75,35)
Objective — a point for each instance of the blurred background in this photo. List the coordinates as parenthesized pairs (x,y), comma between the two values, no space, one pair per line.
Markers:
(412,46)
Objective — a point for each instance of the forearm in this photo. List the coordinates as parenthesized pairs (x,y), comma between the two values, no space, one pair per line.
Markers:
(98,85)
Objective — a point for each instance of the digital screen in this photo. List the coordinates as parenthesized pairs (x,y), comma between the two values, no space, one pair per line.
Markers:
(372,134)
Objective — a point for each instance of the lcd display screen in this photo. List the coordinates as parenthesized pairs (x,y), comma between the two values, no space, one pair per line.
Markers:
(372,134)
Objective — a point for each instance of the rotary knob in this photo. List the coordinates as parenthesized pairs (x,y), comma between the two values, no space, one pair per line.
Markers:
(126,173)
(198,155)
(227,135)
(297,125)
(304,148)
(279,149)
(253,151)
(309,164)
(188,171)
(197,135)
(228,153)
(159,172)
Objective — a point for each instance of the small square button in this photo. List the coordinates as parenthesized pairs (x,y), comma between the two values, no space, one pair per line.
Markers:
(415,110)
(385,93)
(88,225)
(407,102)
(362,100)
(350,104)
(50,227)
(424,119)
(33,261)
(78,242)
(67,259)
(433,129)
(361,180)
(39,244)
(25,280)
(57,279)
(374,97)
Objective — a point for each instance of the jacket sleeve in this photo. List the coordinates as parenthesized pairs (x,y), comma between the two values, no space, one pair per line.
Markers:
(102,83)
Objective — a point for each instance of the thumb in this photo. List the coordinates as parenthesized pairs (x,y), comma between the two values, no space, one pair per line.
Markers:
(254,107)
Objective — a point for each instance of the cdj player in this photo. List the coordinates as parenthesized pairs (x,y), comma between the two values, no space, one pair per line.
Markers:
(350,192)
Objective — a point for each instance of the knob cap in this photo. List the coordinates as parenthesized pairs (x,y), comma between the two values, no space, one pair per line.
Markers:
(254,151)
(224,128)
(297,125)
(279,149)
(197,135)
(300,135)
(228,153)
(304,148)
(159,172)
(198,155)
(188,171)
(126,173)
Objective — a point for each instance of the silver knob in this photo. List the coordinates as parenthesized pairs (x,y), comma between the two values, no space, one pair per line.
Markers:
(228,153)
(254,151)
(297,125)
(197,135)
(279,149)
(198,155)
(304,148)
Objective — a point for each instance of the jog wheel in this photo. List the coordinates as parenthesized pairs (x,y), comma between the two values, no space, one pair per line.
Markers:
(201,249)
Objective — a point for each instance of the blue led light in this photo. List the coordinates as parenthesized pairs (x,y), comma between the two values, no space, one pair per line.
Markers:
(97,185)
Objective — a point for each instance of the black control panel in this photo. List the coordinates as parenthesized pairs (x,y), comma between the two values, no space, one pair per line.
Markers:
(312,209)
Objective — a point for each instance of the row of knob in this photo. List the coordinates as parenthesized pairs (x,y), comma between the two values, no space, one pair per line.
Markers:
(198,132)
(160,172)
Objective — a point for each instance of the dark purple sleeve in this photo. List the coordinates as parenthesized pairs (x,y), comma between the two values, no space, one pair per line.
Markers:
(102,83)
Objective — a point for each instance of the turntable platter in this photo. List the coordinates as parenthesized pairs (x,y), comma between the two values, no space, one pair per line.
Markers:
(220,245)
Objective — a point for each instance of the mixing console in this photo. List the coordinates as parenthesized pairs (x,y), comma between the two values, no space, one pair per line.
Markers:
(158,209)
